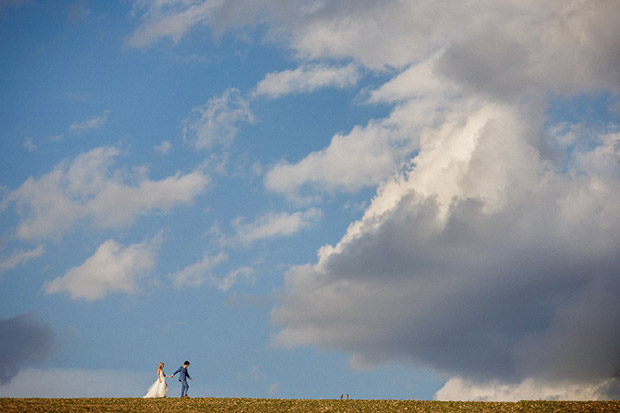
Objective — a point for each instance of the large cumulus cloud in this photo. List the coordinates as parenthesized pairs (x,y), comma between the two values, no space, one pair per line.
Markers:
(494,257)
(484,260)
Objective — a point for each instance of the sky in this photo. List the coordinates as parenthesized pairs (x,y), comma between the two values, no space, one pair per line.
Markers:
(392,200)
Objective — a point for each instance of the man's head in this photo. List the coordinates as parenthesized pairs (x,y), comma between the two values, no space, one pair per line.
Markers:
(186,363)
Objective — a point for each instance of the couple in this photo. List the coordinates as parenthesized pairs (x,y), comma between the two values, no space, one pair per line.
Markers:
(160,387)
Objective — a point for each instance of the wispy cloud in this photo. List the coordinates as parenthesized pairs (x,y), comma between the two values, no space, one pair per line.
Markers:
(170,19)
(89,188)
(201,272)
(29,144)
(20,258)
(194,275)
(306,78)
(226,282)
(112,268)
(272,225)
(94,122)
(218,120)
(163,148)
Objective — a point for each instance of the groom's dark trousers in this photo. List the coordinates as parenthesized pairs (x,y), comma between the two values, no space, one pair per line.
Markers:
(184,388)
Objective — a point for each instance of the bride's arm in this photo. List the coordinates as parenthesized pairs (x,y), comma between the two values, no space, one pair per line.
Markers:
(158,378)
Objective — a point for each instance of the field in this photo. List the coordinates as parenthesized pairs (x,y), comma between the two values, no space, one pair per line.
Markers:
(288,405)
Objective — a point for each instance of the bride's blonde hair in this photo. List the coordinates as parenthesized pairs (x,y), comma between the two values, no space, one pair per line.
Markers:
(161,365)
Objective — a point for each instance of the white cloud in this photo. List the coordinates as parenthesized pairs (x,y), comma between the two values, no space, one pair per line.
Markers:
(194,275)
(29,144)
(70,383)
(198,273)
(415,82)
(225,283)
(218,120)
(20,257)
(95,122)
(363,158)
(170,18)
(458,388)
(306,78)
(273,226)
(605,157)
(376,34)
(112,268)
(88,188)
(164,148)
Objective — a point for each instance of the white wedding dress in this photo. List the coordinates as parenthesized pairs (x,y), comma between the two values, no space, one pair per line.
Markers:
(158,389)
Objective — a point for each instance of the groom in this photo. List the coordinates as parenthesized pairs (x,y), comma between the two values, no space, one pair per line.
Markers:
(183,376)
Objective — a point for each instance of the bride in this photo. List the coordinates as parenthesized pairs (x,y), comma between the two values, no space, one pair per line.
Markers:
(160,387)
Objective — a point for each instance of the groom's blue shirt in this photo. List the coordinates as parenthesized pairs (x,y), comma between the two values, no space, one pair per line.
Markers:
(183,374)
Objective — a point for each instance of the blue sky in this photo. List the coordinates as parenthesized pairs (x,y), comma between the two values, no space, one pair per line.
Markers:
(399,199)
